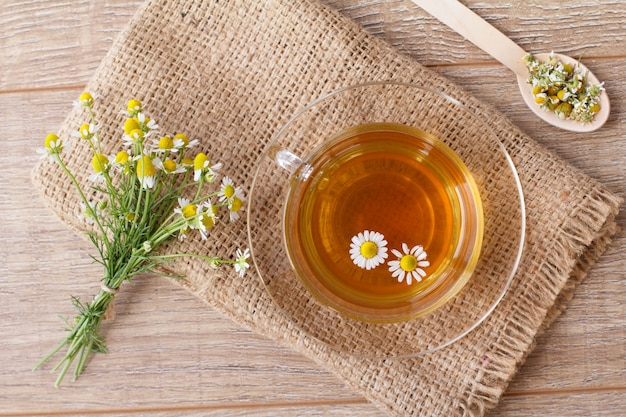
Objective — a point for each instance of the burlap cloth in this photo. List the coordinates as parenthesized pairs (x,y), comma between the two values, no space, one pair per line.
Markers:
(231,74)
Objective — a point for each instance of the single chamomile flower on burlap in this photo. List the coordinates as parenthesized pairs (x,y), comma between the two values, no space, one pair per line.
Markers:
(368,249)
(133,108)
(186,209)
(86,131)
(232,196)
(241,263)
(181,141)
(134,137)
(207,218)
(101,164)
(121,162)
(234,207)
(165,144)
(85,100)
(53,146)
(409,264)
(202,167)
(169,166)
(228,191)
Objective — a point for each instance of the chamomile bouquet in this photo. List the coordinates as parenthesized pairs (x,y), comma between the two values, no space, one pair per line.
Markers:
(154,190)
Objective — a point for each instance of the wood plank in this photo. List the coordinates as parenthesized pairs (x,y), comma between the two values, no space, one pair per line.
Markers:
(594,404)
(52,43)
(568,27)
(64,31)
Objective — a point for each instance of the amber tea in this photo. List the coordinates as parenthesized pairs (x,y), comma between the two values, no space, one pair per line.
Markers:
(381,216)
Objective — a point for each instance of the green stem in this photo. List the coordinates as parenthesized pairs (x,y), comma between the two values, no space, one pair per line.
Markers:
(82,339)
(83,197)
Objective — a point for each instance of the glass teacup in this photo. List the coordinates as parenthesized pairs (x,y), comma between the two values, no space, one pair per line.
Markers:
(402,219)
(383,222)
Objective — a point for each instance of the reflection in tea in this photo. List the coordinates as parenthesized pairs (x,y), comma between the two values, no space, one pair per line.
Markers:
(382,179)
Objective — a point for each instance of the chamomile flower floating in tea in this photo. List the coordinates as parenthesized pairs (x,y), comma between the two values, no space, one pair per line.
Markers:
(409,264)
(368,249)
(142,206)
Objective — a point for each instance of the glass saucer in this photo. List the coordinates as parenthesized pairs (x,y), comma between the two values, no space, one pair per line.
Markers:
(492,170)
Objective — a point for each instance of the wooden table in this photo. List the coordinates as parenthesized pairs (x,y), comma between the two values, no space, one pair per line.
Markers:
(169,353)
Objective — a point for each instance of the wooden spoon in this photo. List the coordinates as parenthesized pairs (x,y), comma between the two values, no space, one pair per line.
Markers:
(495,43)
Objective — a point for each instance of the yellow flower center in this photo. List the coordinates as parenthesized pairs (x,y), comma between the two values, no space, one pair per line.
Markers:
(229,191)
(200,161)
(130,217)
(236,204)
(136,135)
(145,167)
(207,221)
(84,131)
(86,99)
(122,157)
(408,263)
(166,143)
(169,165)
(189,210)
(133,107)
(99,162)
(51,140)
(186,162)
(130,125)
(182,137)
(369,249)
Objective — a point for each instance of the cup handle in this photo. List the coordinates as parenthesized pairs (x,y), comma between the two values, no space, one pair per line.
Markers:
(286,159)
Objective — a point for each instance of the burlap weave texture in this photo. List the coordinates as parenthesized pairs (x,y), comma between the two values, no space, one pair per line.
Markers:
(231,74)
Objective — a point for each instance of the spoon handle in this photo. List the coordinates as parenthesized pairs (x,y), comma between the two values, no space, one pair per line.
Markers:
(478,31)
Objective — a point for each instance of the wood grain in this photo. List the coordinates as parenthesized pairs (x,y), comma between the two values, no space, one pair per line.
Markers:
(169,353)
